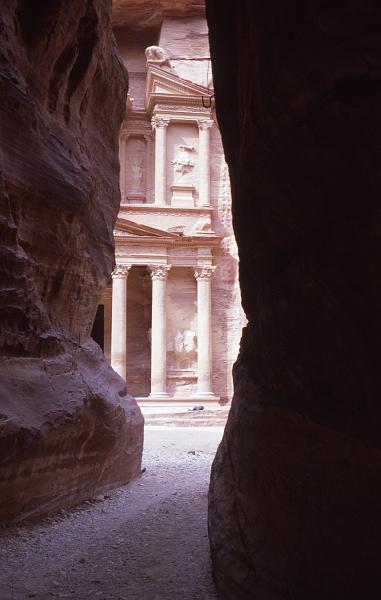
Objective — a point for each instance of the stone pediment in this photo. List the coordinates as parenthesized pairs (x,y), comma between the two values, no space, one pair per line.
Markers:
(127,228)
(165,87)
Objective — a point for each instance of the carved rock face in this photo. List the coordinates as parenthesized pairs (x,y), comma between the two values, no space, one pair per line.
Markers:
(295,492)
(61,408)
(140,14)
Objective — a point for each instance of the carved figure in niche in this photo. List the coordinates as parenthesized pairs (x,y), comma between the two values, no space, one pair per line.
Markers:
(185,348)
(183,163)
(155,54)
(136,167)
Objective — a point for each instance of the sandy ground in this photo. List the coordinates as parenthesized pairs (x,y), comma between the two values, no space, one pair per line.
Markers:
(146,541)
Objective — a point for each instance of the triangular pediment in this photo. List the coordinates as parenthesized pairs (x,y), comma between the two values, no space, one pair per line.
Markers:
(126,228)
(164,86)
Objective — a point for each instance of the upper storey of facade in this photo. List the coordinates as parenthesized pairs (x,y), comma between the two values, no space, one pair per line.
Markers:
(165,142)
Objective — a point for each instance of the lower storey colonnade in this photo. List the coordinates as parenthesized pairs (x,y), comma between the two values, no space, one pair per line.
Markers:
(158,333)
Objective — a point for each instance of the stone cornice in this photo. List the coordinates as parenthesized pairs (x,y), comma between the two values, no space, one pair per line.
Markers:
(194,241)
(147,209)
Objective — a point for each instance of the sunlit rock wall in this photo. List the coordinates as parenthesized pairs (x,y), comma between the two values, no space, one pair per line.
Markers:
(295,491)
(68,428)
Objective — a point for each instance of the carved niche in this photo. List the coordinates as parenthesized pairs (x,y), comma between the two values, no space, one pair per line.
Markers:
(136,169)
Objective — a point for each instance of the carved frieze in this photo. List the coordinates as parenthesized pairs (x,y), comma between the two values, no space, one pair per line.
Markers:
(190,109)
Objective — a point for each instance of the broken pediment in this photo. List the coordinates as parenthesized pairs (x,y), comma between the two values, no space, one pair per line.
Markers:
(127,228)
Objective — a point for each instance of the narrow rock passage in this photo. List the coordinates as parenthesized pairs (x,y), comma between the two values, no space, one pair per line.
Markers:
(146,541)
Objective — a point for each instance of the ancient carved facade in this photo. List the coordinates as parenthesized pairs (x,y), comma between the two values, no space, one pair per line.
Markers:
(172,312)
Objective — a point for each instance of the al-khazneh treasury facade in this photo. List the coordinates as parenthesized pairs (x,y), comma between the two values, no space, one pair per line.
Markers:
(172,314)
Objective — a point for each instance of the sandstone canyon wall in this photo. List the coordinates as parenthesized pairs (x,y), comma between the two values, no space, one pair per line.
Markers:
(295,490)
(68,428)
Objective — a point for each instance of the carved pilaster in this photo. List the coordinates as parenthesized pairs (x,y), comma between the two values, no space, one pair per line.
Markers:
(204,126)
(159,124)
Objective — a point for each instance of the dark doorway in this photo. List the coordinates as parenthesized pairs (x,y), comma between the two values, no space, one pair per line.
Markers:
(97,332)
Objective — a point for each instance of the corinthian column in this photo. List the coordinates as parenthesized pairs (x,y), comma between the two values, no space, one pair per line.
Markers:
(204,329)
(159,275)
(119,319)
(204,126)
(160,125)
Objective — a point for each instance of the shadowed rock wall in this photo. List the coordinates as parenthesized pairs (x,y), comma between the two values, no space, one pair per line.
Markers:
(295,490)
(68,428)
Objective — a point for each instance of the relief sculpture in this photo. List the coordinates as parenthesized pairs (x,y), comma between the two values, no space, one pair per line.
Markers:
(183,163)
(185,348)
(136,166)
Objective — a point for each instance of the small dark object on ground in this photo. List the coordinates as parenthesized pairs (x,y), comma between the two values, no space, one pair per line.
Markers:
(196,408)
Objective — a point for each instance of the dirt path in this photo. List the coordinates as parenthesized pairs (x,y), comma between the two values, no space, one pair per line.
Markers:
(146,541)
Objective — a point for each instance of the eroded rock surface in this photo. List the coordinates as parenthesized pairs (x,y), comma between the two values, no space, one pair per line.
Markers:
(295,492)
(67,424)
(140,14)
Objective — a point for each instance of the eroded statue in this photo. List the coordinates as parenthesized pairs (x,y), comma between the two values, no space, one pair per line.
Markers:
(185,347)
(155,54)
(183,163)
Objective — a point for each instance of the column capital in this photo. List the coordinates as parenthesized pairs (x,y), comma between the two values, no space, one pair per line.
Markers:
(204,124)
(159,122)
(204,272)
(121,271)
(159,271)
